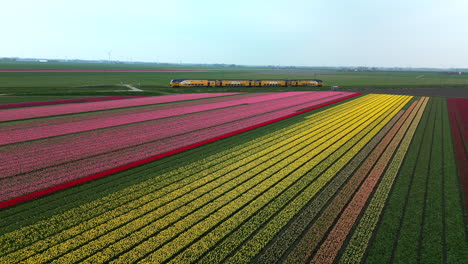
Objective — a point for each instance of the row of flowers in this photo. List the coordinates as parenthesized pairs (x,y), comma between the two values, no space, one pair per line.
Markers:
(65,109)
(66,101)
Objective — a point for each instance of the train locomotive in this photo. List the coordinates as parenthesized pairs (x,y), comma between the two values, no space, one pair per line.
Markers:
(244,83)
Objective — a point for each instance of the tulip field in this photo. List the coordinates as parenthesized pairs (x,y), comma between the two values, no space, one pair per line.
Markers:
(278,177)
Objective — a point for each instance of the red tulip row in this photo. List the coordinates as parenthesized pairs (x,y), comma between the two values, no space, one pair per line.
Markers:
(176,110)
(65,109)
(458,112)
(23,187)
(67,101)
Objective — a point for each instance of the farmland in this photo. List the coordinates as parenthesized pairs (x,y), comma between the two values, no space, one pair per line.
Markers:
(92,79)
(230,177)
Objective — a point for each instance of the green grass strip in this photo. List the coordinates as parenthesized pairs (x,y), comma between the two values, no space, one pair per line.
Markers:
(432,244)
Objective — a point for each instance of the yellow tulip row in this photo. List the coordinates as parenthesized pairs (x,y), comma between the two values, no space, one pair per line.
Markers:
(356,248)
(299,171)
(116,216)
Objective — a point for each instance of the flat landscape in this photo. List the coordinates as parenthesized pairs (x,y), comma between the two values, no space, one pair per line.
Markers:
(233,177)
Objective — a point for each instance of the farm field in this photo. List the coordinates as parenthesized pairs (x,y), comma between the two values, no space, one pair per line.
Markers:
(106,79)
(232,177)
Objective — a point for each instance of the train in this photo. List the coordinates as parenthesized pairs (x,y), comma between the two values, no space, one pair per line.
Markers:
(244,83)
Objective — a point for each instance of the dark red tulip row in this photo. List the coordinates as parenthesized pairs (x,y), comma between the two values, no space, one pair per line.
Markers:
(458,112)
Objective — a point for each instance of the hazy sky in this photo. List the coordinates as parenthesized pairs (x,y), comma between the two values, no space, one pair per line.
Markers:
(403,33)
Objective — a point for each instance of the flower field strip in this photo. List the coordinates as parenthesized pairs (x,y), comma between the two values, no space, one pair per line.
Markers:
(310,241)
(70,118)
(53,240)
(28,157)
(255,231)
(42,208)
(459,124)
(357,245)
(431,247)
(40,179)
(66,101)
(285,240)
(168,246)
(176,110)
(53,110)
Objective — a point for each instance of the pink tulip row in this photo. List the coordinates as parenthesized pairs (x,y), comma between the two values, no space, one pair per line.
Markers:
(79,167)
(54,110)
(68,128)
(10,127)
(31,155)
(67,101)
